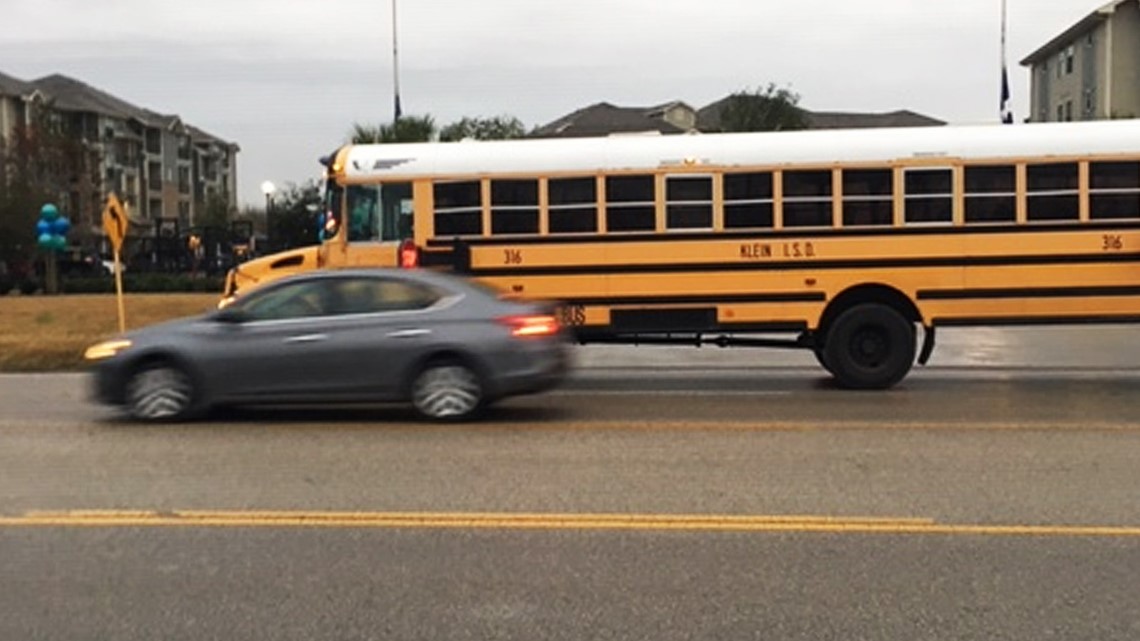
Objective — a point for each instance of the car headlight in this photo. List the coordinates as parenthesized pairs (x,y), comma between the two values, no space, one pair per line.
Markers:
(106,349)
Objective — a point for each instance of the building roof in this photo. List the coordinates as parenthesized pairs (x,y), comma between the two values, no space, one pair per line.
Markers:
(708,118)
(1083,26)
(73,95)
(854,120)
(10,86)
(603,118)
(69,94)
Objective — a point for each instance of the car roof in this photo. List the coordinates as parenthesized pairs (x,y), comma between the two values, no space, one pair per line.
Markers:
(419,275)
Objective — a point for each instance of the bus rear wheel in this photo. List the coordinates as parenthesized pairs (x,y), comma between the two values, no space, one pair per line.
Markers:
(870,346)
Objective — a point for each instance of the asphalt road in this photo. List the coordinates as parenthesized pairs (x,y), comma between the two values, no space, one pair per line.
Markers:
(663,494)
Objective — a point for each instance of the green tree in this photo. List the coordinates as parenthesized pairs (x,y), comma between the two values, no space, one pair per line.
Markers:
(40,162)
(406,129)
(292,220)
(216,213)
(495,128)
(770,109)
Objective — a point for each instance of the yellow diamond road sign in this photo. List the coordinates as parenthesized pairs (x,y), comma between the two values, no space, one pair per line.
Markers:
(115,222)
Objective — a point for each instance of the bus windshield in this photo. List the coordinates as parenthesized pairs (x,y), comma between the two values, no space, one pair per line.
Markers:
(380,212)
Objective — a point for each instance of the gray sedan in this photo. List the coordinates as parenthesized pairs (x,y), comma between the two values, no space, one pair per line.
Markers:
(447,345)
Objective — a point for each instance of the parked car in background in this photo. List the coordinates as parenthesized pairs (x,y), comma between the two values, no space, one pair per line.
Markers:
(448,346)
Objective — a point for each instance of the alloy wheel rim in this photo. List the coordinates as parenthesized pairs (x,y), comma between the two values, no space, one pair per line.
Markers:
(447,392)
(159,394)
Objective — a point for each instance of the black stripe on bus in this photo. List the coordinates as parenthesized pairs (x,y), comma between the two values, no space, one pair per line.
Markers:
(814,233)
(1094,319)
(1027,292)
(774,297)
(813,264)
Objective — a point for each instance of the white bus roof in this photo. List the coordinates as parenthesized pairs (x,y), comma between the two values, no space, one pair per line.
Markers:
(814,147)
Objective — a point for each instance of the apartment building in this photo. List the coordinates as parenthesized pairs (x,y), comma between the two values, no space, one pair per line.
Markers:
(1091,71)
(166,170)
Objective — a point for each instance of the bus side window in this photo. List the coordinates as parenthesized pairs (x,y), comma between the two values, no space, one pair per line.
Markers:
(748,200)
(630,203)
(1114,190)
(395,211)
(929,195)
(514,206)
(991,194)
(573,205)
(458,208)
(868,197)
(807,198)
(1052,192)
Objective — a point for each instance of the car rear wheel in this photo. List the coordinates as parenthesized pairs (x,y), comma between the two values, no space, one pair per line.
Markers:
(160,393)
(447,391)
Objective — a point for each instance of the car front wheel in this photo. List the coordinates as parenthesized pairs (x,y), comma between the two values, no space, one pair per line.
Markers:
(160,393)
(447,391)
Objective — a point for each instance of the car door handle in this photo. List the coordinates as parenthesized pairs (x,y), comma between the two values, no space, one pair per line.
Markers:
(307,338)
(408,333)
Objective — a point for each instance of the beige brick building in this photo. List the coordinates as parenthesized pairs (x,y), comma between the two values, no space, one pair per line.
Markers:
(1091,71)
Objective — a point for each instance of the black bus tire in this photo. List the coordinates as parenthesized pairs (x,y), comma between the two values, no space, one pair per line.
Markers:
(870,346)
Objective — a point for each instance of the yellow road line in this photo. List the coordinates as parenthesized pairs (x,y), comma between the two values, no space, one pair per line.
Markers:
(541,521)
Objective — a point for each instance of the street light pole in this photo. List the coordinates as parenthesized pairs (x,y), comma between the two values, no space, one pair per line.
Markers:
(268,188)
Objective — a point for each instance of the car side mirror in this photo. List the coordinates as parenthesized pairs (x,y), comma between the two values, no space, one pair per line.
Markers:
(230,316)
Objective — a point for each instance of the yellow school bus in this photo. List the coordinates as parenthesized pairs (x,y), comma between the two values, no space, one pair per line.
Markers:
(842,242)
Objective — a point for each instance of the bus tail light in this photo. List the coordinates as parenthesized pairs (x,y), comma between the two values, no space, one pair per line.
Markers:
(531,326)
(409,254)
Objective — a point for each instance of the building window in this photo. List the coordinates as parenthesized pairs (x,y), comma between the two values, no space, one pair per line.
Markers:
(1069,55)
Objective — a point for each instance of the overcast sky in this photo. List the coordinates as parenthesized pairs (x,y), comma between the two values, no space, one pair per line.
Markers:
(286,79)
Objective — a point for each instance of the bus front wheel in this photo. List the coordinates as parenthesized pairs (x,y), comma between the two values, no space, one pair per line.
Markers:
(870,346)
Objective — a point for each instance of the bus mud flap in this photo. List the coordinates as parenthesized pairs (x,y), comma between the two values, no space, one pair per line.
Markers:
(927,344)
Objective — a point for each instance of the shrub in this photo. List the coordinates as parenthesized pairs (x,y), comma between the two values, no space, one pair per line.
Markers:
(142,283)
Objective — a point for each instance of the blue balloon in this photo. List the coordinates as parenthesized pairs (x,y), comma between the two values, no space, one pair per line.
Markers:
(46,241)
(61,225)
(49,212)
(43,227)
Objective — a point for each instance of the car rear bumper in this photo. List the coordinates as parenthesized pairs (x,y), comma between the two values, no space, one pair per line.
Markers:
(542,370)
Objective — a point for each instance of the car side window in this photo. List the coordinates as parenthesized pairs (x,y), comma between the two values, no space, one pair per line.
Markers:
(294,300)
(372,295)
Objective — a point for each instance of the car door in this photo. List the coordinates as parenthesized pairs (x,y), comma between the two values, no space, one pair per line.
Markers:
(277,346)
(385,324)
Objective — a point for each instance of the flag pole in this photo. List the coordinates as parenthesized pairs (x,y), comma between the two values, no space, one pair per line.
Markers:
(395,66)
(1004,112)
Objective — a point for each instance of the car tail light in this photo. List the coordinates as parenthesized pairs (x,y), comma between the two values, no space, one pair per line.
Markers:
(409,254)
(529,326)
